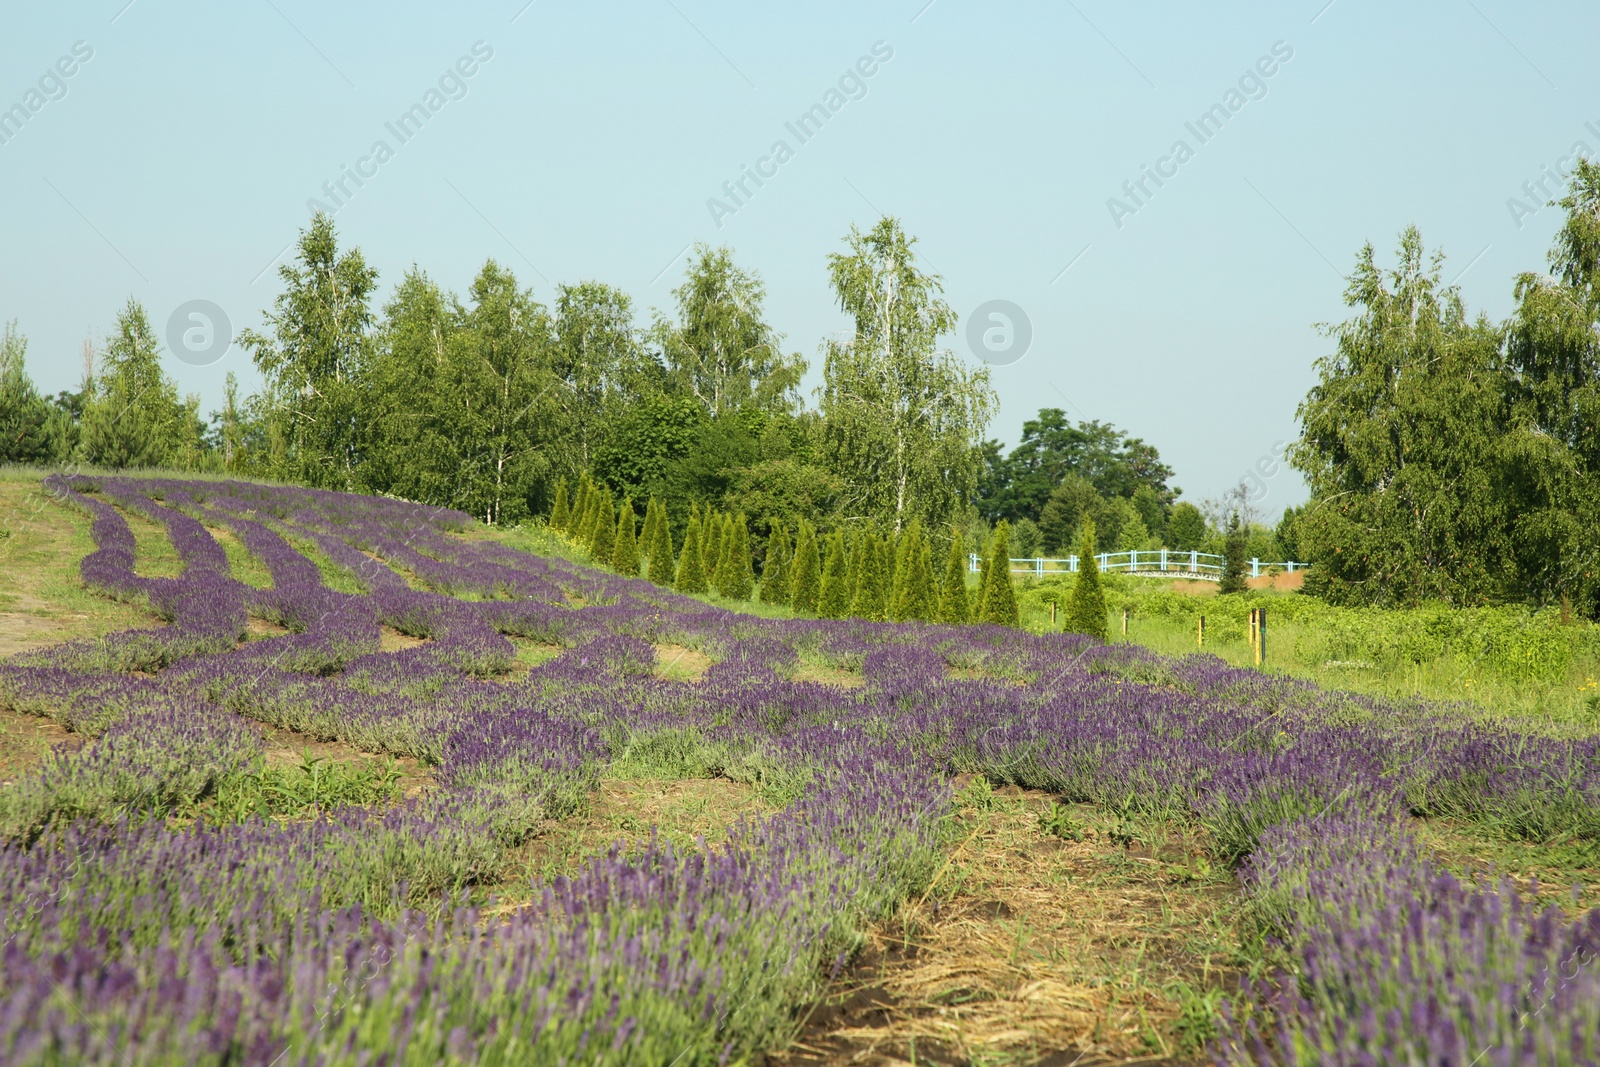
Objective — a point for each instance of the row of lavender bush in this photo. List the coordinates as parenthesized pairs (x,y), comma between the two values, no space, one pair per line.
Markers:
(335,940)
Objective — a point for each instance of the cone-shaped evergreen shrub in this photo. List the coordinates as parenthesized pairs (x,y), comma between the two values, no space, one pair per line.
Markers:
(1234,547)
(999,598)
(605,530)
(917,599)
(737,578)
(864,574)
(1086,610)
(953,605)
(833,602)
(663,564)
(625,553)
(692,563)
(711,529)
(775,572)
(560,511)
(805,579)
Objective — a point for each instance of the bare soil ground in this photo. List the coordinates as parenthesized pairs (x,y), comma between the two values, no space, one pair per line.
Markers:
(680,663)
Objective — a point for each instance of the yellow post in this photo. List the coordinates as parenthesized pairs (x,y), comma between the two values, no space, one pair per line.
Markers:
(1124,622)
(1200,633)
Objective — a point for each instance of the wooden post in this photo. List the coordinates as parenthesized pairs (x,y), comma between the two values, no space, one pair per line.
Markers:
(1200,633)
(1261,636)
(1124,622)
(1052,613)
(1250,633)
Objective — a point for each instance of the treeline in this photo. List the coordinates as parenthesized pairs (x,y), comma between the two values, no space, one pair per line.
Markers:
(1453,459)
(865,571)
(489,403)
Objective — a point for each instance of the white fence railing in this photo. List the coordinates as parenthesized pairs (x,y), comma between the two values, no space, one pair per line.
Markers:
(1152,563)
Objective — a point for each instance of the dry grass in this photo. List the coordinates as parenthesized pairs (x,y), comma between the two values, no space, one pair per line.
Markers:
(689,813)
(1028,945)
(679,663)
(811,670)
(1566,873)
(392,640)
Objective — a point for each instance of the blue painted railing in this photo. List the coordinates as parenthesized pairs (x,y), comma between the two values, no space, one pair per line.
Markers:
(1146,562)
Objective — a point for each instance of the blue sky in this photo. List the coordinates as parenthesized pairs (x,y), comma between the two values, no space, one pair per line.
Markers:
(177,161)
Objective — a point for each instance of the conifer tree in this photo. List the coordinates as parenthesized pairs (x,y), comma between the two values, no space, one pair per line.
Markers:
(625,554)
(692,563)
(738,577)
(605,531)
(953,605)
(864,576)
(855,569)
(1086,611)
(647,533)
(559,513)
(916,598)
(583,530)
(775,572)
(999,605)
(806,572)
(656,517)
(909,598)
(711,530)
(663,565)
(833,602)
(1234,546)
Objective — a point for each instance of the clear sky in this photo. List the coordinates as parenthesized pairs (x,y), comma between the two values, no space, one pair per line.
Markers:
(176,162)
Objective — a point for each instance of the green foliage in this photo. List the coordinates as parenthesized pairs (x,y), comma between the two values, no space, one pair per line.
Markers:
(712,528)
(775,573)
(833,602)
(1234,559)
(1186,528)
(998,600)
(1060,822)
(1027,541)
(133,417)
(1052,452)
(806,577)
(721,350)
(914,595)
(901,416)
(625,553)
(1086,611)
(24,414)
(692,562)
(560,513)
(603,541)
(734,575)
(314,784)
(663,564)
(954,608)
(313,362)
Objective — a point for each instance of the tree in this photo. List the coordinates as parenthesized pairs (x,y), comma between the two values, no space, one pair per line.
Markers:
(875,605)
(1186,528)
(315,357)
(914,594)
(864,578)
(133,417)
(604,539)
(736,577)
(560,514)
(903,417)
(857,569)
(625,554)
(598,357)
(1233,557)
(692,563)
(24,414)
(1086,611)
(953,606)
(663,568)
(1028,539)
(1070,503)
(1403,441)
(833,602)
(721,350)
(999,599)
(806,576)
(712,527)
(1052,450)
(775,574)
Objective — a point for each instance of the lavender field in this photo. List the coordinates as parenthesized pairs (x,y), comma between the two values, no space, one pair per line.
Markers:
(147,922)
